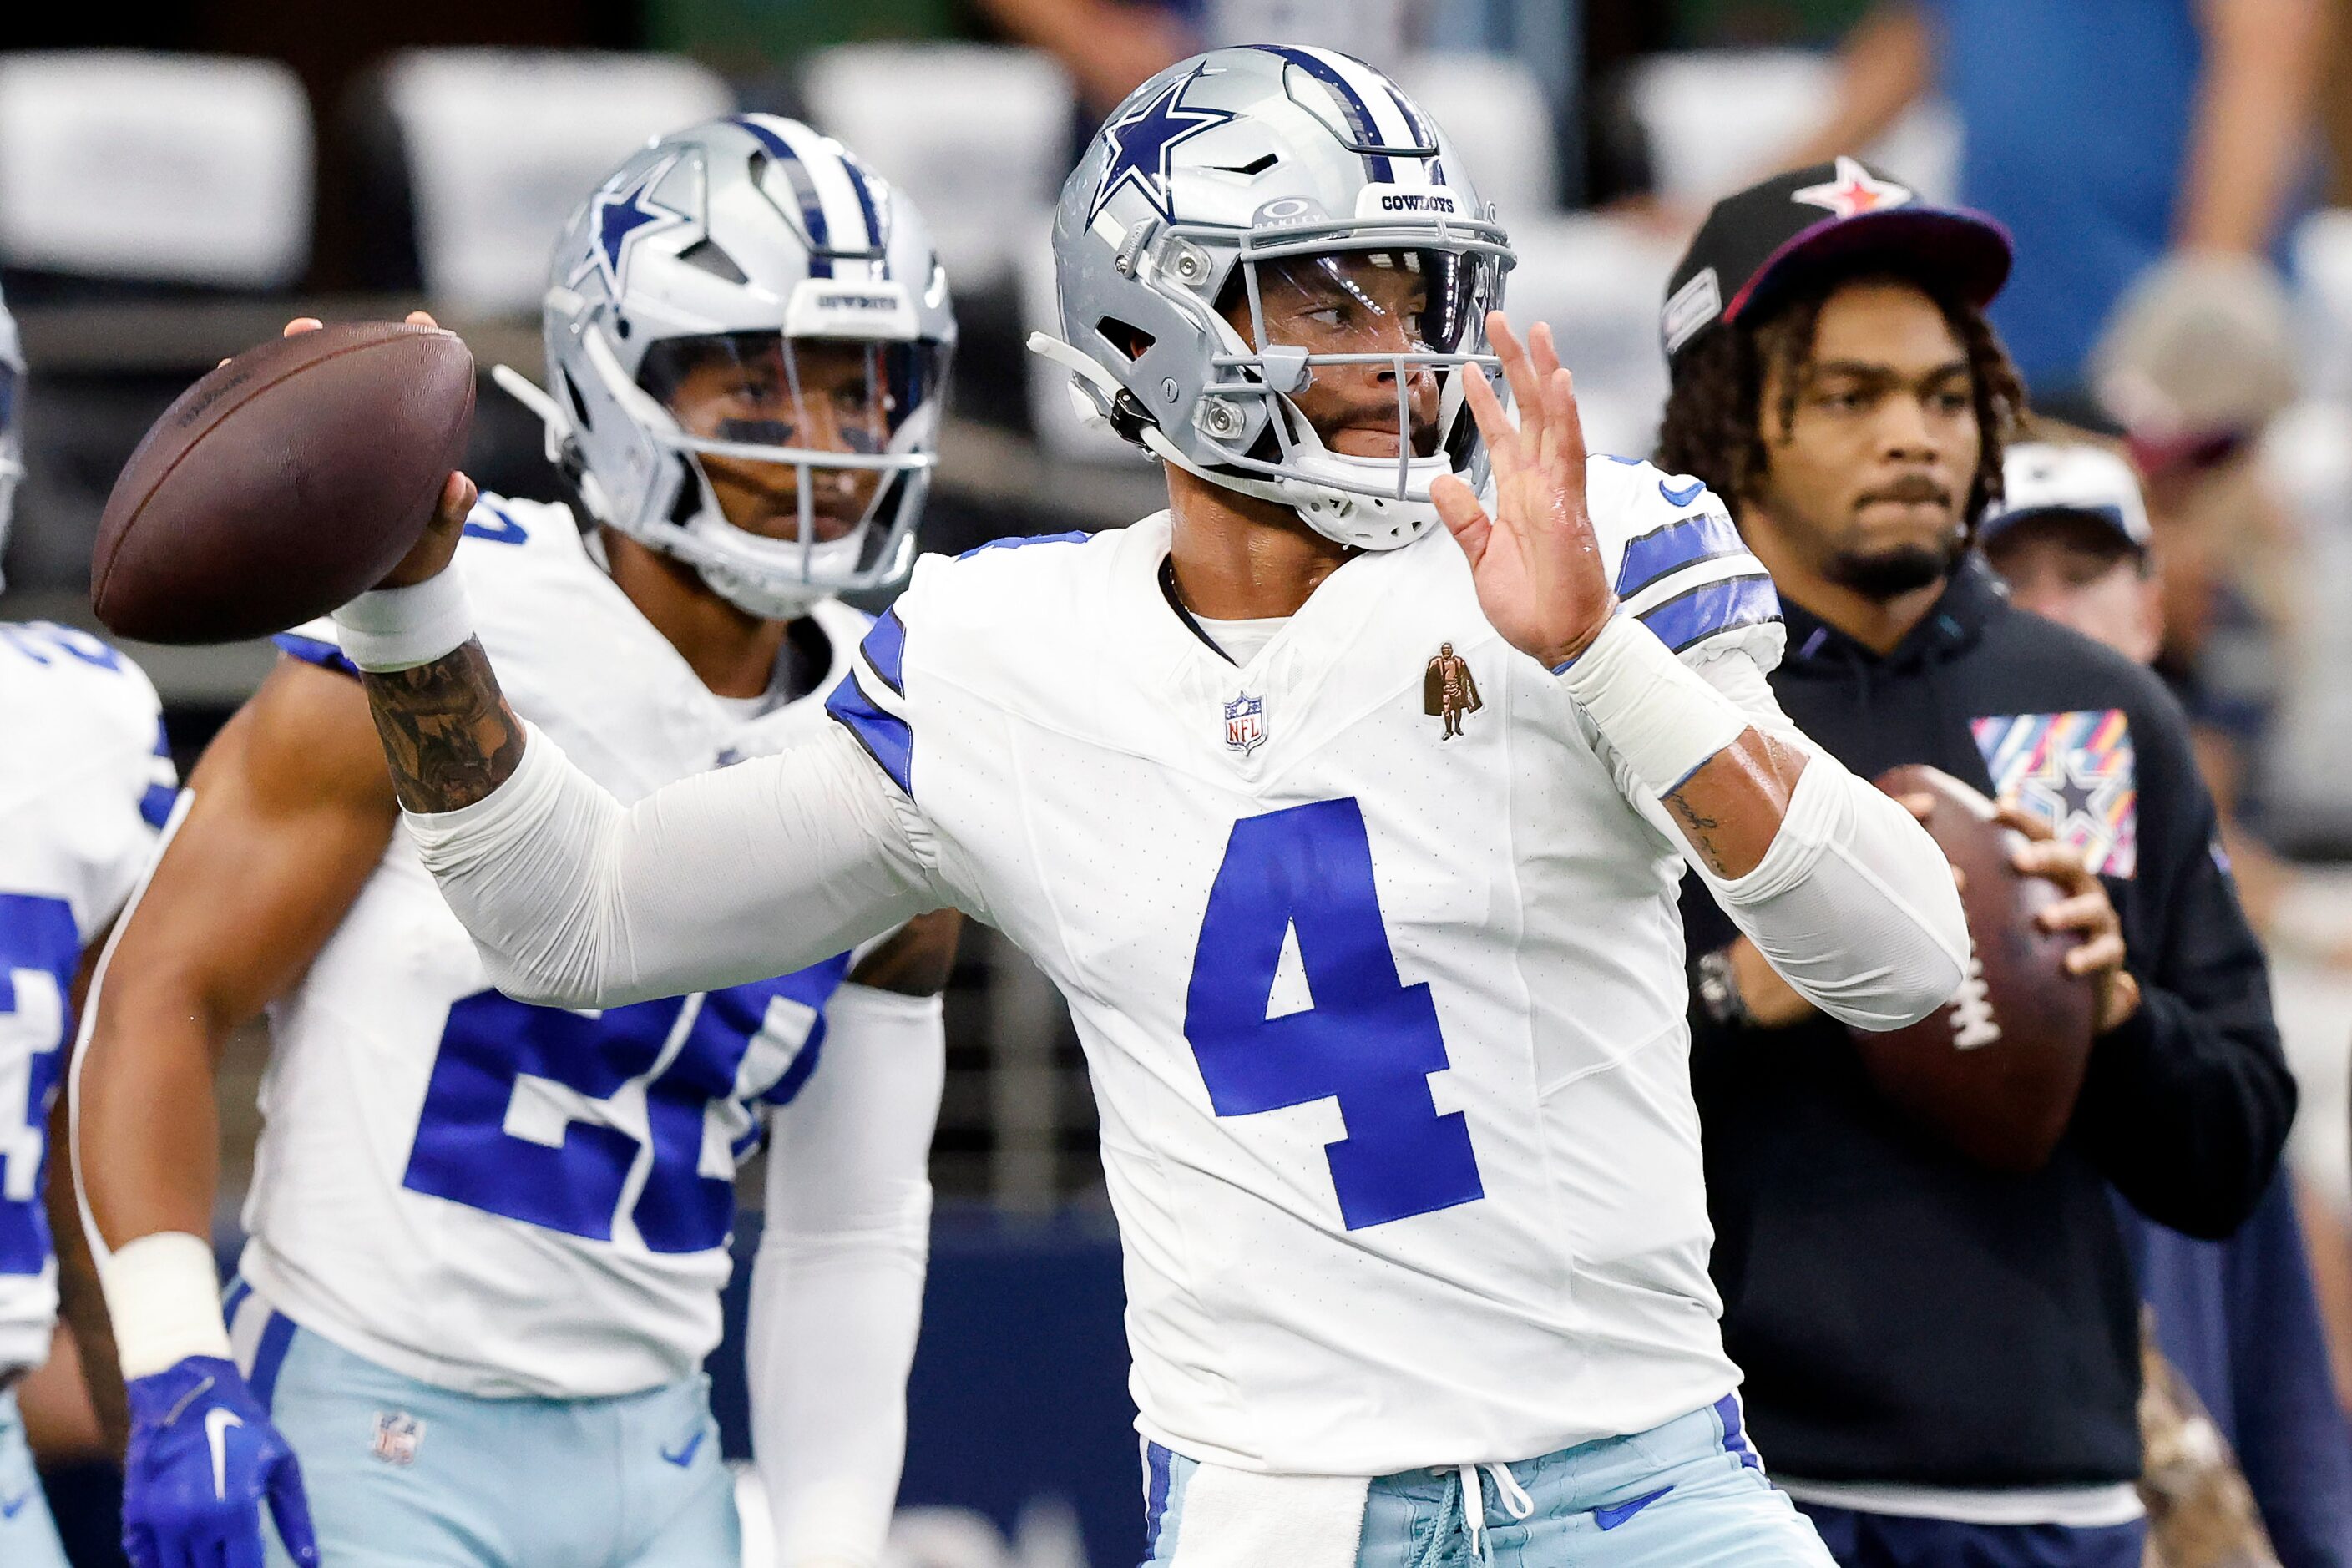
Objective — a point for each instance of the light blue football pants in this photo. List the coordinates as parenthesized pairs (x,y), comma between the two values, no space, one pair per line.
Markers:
(402,1474)
(28,1537)
(1689,1494)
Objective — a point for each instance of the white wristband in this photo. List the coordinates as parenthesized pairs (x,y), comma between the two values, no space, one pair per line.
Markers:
(1653,710)
(400,629)
(165,1299)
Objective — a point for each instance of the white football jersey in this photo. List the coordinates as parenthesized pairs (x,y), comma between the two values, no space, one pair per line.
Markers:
(1385,1023)
(86,782)
(510,1200)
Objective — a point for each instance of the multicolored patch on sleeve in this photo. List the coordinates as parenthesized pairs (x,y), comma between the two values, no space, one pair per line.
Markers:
(2075,772)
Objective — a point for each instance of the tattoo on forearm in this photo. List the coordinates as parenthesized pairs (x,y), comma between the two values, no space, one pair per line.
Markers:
(447,729)
(1697,827)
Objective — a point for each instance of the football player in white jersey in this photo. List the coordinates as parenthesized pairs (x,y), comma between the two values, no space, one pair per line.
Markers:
(86,783)
(1387,1025)
(486,1240)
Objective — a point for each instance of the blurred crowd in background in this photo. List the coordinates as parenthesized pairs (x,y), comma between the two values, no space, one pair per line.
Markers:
(2178,175)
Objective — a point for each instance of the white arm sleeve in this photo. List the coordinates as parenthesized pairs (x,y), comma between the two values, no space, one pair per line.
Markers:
(725,877)
(837,1283)
(1853,903)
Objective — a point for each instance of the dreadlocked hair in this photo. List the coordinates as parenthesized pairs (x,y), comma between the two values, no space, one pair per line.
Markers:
(1714,426)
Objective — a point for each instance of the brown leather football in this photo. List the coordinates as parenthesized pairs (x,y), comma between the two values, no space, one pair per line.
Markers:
(286,482)
(1996,1070)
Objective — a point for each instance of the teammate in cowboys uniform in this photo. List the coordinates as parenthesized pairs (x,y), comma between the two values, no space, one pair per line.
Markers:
(487,1239)
(1387,1027)
(85,786)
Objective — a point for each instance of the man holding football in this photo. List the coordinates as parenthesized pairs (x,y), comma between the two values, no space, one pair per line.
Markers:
(1943,1360)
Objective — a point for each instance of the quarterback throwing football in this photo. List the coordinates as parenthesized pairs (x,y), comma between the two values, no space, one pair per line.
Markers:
(1386,1023)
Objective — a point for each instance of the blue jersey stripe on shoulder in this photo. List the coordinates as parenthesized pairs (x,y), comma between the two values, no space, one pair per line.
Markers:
(885,649)
(1686,542)
(315,650)
(1019,539)
(887,739)
(1691,618)
(155,806)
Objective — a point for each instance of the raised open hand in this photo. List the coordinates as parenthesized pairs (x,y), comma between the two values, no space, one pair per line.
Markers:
(1536,561)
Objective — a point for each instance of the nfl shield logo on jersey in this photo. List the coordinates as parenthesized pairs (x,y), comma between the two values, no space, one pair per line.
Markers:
(1245,724)
(397,1436)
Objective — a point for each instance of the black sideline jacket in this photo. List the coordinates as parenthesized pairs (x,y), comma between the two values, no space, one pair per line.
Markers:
(1902,1314)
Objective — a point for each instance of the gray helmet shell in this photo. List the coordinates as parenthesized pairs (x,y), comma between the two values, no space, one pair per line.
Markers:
(1216,165)
(754,224)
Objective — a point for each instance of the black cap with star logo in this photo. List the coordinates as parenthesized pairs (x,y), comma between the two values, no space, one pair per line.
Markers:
(1756,241)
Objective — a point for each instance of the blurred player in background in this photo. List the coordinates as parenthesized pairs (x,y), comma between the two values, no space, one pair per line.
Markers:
(1386,1025)
(486,1240)
(86,783)
(1943,1360)
(2070,538)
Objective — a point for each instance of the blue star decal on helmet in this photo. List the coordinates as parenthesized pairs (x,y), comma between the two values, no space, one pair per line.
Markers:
(620,213)
(1140,144)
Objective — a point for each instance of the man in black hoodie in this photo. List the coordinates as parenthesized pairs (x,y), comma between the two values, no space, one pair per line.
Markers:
(1942,1361)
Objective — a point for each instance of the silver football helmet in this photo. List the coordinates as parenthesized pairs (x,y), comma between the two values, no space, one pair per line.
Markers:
(1250,176)
(748,344)
(12,423)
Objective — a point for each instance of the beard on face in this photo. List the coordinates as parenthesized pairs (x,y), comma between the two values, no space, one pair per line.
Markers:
(1888,573)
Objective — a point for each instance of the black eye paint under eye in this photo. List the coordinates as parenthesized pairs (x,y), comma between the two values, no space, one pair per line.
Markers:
(756,431)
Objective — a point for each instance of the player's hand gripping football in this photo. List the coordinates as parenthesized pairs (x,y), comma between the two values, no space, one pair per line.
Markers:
(2085,909)
(1536,562)
(203,1461)
(439,542)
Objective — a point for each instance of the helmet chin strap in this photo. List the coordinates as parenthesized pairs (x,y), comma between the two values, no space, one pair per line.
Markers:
(1313,510)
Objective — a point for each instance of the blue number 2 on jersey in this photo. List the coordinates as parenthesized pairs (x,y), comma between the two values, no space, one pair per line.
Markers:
(38,948)
(504,1126)
(1370,1040)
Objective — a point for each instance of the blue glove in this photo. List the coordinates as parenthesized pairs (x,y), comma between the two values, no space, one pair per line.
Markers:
(202,1458)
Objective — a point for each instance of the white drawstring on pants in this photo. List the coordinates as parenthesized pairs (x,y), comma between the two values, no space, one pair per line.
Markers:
(1516,1502)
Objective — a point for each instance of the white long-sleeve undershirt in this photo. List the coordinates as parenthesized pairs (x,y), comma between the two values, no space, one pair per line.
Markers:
(771,865)
(837,1282)
(1853,903)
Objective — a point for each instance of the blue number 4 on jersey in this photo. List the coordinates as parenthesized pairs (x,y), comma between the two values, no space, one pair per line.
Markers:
(1370,1041)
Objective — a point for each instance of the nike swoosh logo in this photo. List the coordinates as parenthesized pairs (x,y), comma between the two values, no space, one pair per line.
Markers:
(10,1508)
(685,1456)
(217,1422)
(1610,1518)
(1684,496)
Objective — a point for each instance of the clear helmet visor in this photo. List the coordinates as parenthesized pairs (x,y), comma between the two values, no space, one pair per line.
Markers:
(802,442)
(1365,349)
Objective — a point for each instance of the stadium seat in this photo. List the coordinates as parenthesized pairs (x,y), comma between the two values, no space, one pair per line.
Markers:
(978,136)
(2323,264)
(1598,282)
(1714,120)
(151,168)
(1493,110)
(500,145)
